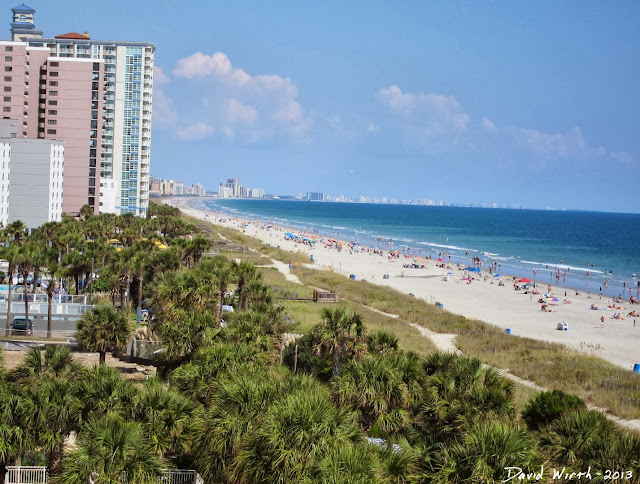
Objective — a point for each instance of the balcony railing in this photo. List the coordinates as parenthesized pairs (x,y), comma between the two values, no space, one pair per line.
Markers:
(26,475)
(39,475)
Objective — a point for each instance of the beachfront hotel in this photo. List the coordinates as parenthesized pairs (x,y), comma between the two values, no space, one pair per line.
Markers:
(94,95)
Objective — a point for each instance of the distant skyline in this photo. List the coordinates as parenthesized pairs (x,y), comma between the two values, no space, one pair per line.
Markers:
(535,105)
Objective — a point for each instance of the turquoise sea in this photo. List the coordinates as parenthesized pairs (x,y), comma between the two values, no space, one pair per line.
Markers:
(596,249)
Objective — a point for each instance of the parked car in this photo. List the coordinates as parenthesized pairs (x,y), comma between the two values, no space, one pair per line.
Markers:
(19,326)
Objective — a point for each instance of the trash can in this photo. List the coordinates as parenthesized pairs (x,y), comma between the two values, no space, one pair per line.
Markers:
(508,330)
(440,305)
(636,368)
(353,276)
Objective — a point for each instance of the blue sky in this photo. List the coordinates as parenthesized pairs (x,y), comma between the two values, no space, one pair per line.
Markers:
(528,103)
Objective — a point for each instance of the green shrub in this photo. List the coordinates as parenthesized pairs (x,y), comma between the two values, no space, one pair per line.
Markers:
(548,406)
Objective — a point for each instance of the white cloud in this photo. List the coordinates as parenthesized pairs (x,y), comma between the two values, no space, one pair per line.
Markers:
(159,76)
(267,103)
(372,128)
(201,65)
(241,113)
(195,131)
(622,157)
(488,125)
(396,100)
(289,112)
(163,111)
(438,114)
(552,144)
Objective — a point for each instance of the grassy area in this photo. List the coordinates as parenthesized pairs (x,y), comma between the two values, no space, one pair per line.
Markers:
(548,364)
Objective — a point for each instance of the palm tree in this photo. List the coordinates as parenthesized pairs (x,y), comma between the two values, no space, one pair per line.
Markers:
(458,392)
(182,332)
(166,417)
(11,255)
(14,437)
(111,450)
(86,212)
(382,342)
(237,404)
(483,454)
(374,387)
(28,259)
(17,231)
(244,271)
(138,263)
(102,329)
(337,332)
(222,276)
(55,361)
(100,391)
(295,434)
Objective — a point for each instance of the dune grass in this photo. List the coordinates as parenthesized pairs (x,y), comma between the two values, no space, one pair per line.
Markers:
(219,232)
(550,365)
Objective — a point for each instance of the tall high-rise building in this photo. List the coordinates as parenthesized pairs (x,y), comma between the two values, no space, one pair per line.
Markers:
(96,96)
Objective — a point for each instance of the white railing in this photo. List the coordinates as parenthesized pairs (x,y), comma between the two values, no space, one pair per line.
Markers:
(18,296)
(177,476)
(38,475)
(42,308)
(25,475)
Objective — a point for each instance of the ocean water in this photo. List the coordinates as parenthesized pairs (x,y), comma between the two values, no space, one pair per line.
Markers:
(596,249)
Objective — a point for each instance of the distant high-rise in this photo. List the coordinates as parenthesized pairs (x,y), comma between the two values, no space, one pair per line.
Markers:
(94,95)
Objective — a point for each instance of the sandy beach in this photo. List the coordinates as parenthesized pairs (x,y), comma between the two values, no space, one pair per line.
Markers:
(483,298)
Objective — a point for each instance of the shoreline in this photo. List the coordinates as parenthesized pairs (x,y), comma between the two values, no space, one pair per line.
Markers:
(569,276)
(481,298)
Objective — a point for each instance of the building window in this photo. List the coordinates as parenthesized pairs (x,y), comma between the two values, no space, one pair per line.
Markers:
(6,109)
(8,68)
(53,103)
(52,121)
(51,131)
(8,48)
(8,58)
(54,64)
(7,78)
(7,99)
(7,88)
(53,83)
(53,74)
(52,112)
(53,93)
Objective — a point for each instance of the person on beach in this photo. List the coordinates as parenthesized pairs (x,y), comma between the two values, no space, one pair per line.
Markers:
(602,321)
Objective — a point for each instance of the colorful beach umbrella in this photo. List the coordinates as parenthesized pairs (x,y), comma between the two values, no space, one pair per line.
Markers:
(524,279)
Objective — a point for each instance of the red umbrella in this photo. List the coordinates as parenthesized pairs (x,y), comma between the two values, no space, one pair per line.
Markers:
(524,279)
(440,260)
